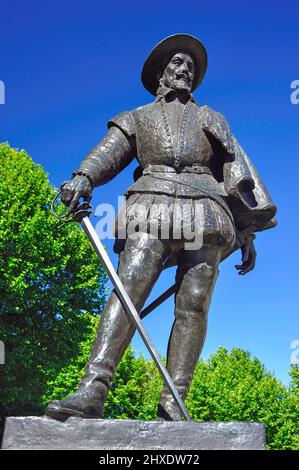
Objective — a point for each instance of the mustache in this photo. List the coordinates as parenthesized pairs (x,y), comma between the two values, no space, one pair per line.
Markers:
(184,76)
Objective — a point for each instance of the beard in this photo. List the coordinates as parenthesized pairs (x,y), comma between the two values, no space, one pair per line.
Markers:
(178,84)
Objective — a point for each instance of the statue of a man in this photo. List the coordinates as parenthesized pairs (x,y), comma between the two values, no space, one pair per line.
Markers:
(189,163)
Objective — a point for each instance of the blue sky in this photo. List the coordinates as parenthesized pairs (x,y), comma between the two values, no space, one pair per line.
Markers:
(69,66)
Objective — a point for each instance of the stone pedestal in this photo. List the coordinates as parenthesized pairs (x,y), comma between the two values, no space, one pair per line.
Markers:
(99,434)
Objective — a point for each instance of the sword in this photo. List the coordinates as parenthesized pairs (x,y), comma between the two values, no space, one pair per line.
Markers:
(82,215)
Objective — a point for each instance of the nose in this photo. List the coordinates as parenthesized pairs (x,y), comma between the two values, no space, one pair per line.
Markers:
(183,69)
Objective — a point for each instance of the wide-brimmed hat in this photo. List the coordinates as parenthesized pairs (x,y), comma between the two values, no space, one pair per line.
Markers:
(165,50)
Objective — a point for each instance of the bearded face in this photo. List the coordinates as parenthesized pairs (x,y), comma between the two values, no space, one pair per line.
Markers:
(179,73)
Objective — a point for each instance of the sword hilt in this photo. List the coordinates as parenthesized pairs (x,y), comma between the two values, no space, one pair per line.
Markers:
(84,209)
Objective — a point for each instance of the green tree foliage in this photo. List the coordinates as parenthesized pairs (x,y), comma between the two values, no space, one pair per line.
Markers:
(287,435)
(234,387)
(49,279)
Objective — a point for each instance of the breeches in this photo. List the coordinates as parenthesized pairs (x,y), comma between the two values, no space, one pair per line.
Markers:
(184,222)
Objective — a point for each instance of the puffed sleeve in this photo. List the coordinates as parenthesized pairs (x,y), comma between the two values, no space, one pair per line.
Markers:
(115,151)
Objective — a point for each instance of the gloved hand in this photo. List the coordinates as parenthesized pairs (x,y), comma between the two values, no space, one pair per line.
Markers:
(248,256)
(75,189)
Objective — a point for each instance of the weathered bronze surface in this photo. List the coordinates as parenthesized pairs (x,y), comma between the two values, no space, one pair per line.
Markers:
(41,433)
(189,161)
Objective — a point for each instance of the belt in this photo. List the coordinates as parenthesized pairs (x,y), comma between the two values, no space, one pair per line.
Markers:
(196,168)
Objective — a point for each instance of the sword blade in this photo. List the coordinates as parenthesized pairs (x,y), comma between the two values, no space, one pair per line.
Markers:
(132,312)
(158,301)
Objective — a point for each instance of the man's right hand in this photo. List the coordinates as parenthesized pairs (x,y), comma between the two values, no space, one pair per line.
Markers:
(75,189)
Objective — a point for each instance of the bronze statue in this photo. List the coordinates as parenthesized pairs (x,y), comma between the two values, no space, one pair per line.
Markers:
(188,161)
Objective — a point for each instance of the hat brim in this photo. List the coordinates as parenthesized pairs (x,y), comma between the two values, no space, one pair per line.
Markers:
(165,50)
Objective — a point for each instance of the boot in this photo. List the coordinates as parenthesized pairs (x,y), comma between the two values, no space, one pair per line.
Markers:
(86,402)
(188,334)
(139,267)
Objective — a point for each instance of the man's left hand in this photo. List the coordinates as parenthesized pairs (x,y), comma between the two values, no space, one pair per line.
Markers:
(248,256)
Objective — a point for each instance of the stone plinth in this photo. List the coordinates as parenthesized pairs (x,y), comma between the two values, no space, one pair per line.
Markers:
(76,433)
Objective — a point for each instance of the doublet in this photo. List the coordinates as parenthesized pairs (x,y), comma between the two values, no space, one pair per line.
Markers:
(185,152)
